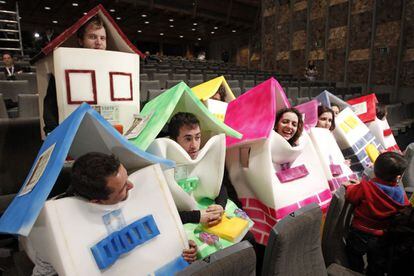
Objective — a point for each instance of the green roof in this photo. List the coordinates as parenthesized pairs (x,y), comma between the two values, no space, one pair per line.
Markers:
(179,98)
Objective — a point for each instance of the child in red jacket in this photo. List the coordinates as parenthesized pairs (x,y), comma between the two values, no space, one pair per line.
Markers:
(376,201)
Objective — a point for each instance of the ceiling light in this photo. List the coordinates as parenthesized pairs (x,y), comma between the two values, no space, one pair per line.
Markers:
(233,31)
(47,8)
(146,22)
(199,38)
(171,26)
(118,18)
(2,2)
(139,31)
(84,13)
(161,33)
(36,35)
(143,15)
(112,10)
(75,4)
(193,29)
(54,22)
(212,32)
(171,20)
(195,24)
(215,28)
(181,36)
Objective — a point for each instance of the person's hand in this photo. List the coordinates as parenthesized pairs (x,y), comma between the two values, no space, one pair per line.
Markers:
(215,208)
(190,254)
(348,162)
(209,218)
(351,182)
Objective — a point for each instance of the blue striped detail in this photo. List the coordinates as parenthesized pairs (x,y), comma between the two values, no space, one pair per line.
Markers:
(172,267)
(109,250)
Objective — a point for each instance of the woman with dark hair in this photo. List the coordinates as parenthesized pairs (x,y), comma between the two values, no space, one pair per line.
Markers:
(289,124)
(335,108)
(326,118)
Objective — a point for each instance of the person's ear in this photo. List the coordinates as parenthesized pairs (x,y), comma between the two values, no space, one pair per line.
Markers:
(397,179)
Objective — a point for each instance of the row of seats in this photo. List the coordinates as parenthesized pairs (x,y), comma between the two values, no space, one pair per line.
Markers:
(27,107)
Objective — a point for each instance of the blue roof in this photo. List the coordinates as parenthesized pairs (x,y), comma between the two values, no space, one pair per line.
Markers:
(85,130)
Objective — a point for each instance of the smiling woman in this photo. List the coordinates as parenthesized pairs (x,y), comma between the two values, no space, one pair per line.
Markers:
(289,124)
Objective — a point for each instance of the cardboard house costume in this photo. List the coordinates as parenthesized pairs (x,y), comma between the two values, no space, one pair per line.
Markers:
(331,159)
(208,89)
(365,108)
(194,184)
(354,139)
(328,99)
(81,238)
(272,178)
(107,79)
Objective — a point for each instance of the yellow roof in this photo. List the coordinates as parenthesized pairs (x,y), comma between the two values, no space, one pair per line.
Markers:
(206,90)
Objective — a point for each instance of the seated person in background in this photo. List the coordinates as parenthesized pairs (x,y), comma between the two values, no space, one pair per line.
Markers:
(100,179)
(91,35)
(326,118)
(184,128)
(376,201)
(335,109)
(289,124)
(10,69)
(148,57)
(310,71)
(220,94)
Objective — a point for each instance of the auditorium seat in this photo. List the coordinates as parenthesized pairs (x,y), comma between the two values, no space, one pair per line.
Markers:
(292,92)
(182,76)
(181,71)
(3,110)
(171,83)
(145,86)
(162,78)
(247,89)
(210,76)
(28,105)
(20,142)
(335,230)
(10,89)
(238,77)
(233,83)
(249,77)
(238,259)
(302,100)
(150,72)
(294,246)
(143,76)
(247,83)
(236,91)
(153,93)
(31,79)
(192,83)
(196,76)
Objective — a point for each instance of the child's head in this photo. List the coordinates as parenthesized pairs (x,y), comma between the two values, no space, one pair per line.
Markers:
(389,166)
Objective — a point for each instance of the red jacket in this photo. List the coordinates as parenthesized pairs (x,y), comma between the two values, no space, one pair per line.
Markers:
(373,207)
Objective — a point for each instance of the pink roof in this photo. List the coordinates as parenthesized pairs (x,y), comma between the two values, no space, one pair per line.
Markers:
(253,113)
(71,31)
(310,111)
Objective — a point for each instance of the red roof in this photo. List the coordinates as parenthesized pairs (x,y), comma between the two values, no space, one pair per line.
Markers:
(71,31)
